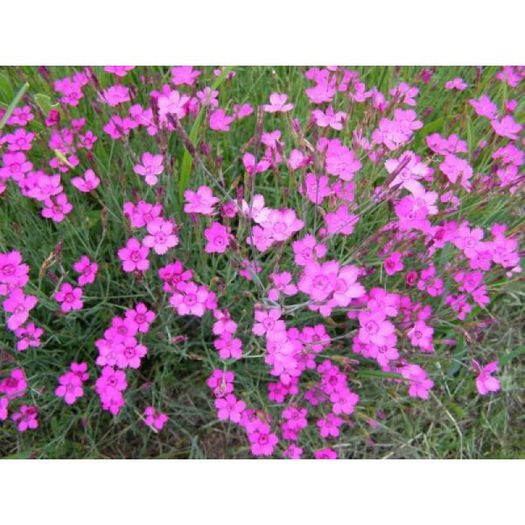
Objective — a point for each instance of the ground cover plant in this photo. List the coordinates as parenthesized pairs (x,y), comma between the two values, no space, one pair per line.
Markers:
(291,262)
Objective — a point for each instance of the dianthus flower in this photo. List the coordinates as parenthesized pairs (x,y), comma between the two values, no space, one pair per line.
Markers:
(485,383)
(217,238)
(229,408)
(229,347)
(151,167)
(18,304)
(201,201)
(219,121)
(69,298)
(192,299)
(154,419)
(87,270)
(26,418)
(134,256)
(86,184)
(70,387)
(162,236)
(28,337)
(278,104)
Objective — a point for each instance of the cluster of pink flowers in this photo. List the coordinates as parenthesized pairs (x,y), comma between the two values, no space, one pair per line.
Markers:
(328,284)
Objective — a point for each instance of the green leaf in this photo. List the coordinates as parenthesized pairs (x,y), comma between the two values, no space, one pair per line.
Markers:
(14,103)
(507,358)
(44,103)
(459,353)
(187,161)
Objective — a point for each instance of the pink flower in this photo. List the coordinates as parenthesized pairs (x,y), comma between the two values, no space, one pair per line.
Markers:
(26,418)
(282,224)
(268,321)
(329,426)
(142,213)
(191,299)
(421,335)
(307,249)
(130,354)
(18,305)
(70,387)
(229,408)
(325,453)
(217,238)
(69,298)
(56,207)
(329,118)
(456,83)
(485,383)
(87,184)
(341,221)
(484,107)
(278,104)
(319,280)
(28,337)
(173,104)
(15,385)
(219,121)
(202,201)
(115,95)
(152,165)
(374,328)
(141,316)
(13,273)
(221,382)
(184,75)
(161,236)
(119,71)
(229,347)
(134,256)
(154,419)
(419,383)
(262,442)
(393,264)
(506,127)
(87,270)
(4,405)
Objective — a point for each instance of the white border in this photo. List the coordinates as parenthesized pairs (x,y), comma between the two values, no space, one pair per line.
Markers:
(273,32)
(252,491)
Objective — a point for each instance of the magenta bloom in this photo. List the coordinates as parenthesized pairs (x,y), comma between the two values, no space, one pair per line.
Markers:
(134,256)
(325,453)
(393,264)
(219,121)
(154,419)
(152,165)
(161,236)
(26,418)
(485,383)
(268,321)
(217,238)
(229,347)
(278,104)
(191,299)
(70,387)
(201,201)
(18,304)
(4,405)
(28,337)
(69,298)
(86,269)
(87,183)
(13,273)
(229,408)
(262,442)
(141,316)
(14,385)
